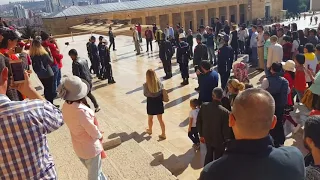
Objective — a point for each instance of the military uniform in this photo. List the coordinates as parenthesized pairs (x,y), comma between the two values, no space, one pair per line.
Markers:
(95,59)
(183,55)
(166,52)
(106,69)
(225,60)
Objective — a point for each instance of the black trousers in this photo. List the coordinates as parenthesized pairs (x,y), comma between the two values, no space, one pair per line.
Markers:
(92,98)
(48,88)
(149,41)
(167,67)
(213,153)
(184,69)
(193,135)
(224,79)
(112,43)
(191,50)
(96,65)
(277,132)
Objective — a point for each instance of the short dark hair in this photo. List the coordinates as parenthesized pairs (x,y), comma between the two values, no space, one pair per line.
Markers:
(44,36)
(276,67)
(295,35)
(73,52)
(260,26)
(100,37)
(287,38)
(281,29)
(217,92)
(311,129)
(254,26)
(318,47)
(300,58)
(194,102)
(92,38)
(8,35)
(309,47)
(205,64)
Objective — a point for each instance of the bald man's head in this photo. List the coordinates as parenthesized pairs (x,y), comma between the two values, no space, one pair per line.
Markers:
(253,114)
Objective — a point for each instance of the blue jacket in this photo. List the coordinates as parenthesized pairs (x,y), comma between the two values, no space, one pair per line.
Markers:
(278,88)
(207,82)
(256,160)
(210,40)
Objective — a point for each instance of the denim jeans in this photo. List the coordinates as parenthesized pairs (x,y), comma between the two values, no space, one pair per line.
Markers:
(55,70)
(266,70)
(59,77)
(211,54)
(254,56)
(94,168)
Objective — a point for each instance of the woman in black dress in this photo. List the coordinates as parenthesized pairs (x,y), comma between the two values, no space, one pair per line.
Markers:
(152,89)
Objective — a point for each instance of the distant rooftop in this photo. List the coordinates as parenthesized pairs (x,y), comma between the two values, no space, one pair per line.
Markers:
(121,6)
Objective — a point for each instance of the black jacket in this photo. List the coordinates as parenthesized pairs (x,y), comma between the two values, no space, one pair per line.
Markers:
(256,160)
(183,53)
(165,50)
(104,53)
(111,36)
(213,124)
(200,53)
(225,59)
(80,68)
(94,52)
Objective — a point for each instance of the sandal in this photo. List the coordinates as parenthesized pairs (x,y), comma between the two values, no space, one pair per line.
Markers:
(148,131)
(162,137)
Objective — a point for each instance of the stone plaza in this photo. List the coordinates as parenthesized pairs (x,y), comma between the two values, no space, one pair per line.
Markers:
(123,116)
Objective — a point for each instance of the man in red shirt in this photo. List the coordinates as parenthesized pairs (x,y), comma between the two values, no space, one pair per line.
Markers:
(287,48)
(149,38)
(139,29)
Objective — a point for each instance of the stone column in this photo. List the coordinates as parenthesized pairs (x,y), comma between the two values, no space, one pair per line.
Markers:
(228,13)
(143,21)
(170,19)
(238,14)
(183,21)
(217,13)
(206,18)
(158,20)
(194,21)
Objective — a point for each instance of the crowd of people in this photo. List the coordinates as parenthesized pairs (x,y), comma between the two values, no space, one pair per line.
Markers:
(241,125)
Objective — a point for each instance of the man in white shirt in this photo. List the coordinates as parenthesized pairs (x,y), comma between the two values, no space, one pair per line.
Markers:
(260,43)
(275,52)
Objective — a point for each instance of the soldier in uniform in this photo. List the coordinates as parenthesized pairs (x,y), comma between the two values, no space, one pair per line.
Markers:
(111,39)
(95,56)
(225,59)
(89,55)
(183,55)
(166,52)
(104,53)
(200,53)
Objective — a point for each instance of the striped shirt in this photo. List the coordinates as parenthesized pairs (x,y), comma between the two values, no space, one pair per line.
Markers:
(24,151)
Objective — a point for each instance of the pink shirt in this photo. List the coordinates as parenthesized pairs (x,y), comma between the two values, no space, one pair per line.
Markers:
(84,134)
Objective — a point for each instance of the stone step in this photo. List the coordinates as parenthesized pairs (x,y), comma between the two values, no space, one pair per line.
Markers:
(134,163)
(130,129)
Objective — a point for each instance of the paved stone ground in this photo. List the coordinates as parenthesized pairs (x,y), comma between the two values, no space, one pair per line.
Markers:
(123,115)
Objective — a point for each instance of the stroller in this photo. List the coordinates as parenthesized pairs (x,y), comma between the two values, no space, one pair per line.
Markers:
(240,71)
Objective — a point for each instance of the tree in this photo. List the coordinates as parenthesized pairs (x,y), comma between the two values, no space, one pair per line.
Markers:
(28,32)
(296,6)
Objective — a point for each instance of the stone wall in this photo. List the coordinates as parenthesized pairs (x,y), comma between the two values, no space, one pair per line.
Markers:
(183,14)
(315,5)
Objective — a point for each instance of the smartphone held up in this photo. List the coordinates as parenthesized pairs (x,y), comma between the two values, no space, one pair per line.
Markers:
(17,71)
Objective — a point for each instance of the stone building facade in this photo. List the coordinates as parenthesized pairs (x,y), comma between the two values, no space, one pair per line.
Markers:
(189,15)
(315,5)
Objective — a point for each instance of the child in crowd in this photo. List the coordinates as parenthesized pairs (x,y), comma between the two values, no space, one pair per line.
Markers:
(311,60)
(287,48)
(289,75)
(300,76)
(192,130)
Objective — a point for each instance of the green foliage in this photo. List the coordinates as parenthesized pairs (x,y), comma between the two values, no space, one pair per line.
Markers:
(296,6)
(28,32)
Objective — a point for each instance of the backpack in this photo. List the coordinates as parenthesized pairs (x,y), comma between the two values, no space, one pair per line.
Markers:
(240,71)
